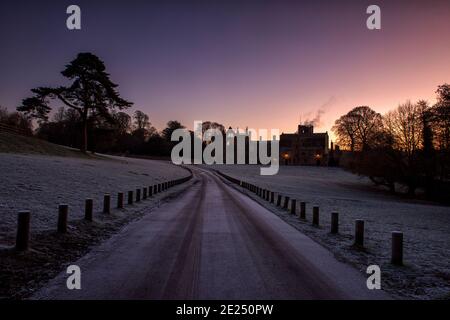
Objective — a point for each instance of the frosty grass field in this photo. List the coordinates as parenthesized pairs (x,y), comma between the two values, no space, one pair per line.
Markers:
(39,183)
(426,226)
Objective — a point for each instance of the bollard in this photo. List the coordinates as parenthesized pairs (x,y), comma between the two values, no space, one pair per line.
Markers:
(63,211)
(159,187)
(272,197)
(155,189)
(286,203)
(279,200)
(107,203)
(23,231)
(263,194)
(303,210)
(397,248)
(334,222)
(359,233)
(293,206)
(267,195)
(130,197)
(150,189)
(120,200)
(315,221)
(88,209)
(138,195)
(144,193)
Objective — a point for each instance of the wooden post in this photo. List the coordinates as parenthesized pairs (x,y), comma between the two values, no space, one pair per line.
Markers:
(107,203)
(138,195)
(272,197)
(88,209)
(159,187)
(286,202)
(279,200)
(303,210)
(150,191)
(144,195)
(63,212)
(397,248)
(120,200)
(130,197)
(359,233)
(334,222)
(155,189)
(315,221)
(23,231)
(293,206)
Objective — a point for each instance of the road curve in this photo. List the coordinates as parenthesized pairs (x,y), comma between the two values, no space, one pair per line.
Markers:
(213,242)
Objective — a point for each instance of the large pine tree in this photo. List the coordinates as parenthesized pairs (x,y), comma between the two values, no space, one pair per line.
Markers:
(91,93)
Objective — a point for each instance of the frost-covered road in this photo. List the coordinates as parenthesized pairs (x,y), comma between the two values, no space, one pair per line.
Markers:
(211,243)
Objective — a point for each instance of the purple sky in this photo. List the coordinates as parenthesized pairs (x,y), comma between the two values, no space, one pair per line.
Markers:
(256,63)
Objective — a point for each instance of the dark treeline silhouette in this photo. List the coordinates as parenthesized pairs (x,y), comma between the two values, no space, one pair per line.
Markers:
(121,134)
(408,146)
(16,120)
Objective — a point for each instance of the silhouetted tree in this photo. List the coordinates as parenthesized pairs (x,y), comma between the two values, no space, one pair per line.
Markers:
(171,127)
(17,120)
(141,120)
(358,128)
(92,94)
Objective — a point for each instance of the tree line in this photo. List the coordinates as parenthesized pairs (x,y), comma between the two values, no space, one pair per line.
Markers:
(408,146)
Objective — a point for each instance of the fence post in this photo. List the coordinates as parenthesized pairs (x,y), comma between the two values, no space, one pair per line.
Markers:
(293,206)
(138,195)
(302,210)
(279,200)
(334,222)
(144,195)
(159,187)
(88,209)
(397,248)
(272,197)
(315,221)
(120,200)
(63,211)
(155,189)
(23,231)
(150,191)
(286,202)
(107,203)
(130,197)
(359,233)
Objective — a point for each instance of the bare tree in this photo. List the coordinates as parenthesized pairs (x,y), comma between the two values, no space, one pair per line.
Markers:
(358,129)
(405,126)
(141,120)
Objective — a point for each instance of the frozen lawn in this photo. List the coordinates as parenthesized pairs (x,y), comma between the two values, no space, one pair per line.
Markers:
(426,226)
(39,183)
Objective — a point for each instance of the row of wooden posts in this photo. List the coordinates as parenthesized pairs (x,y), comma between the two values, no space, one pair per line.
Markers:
(284,201)
(23,226)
